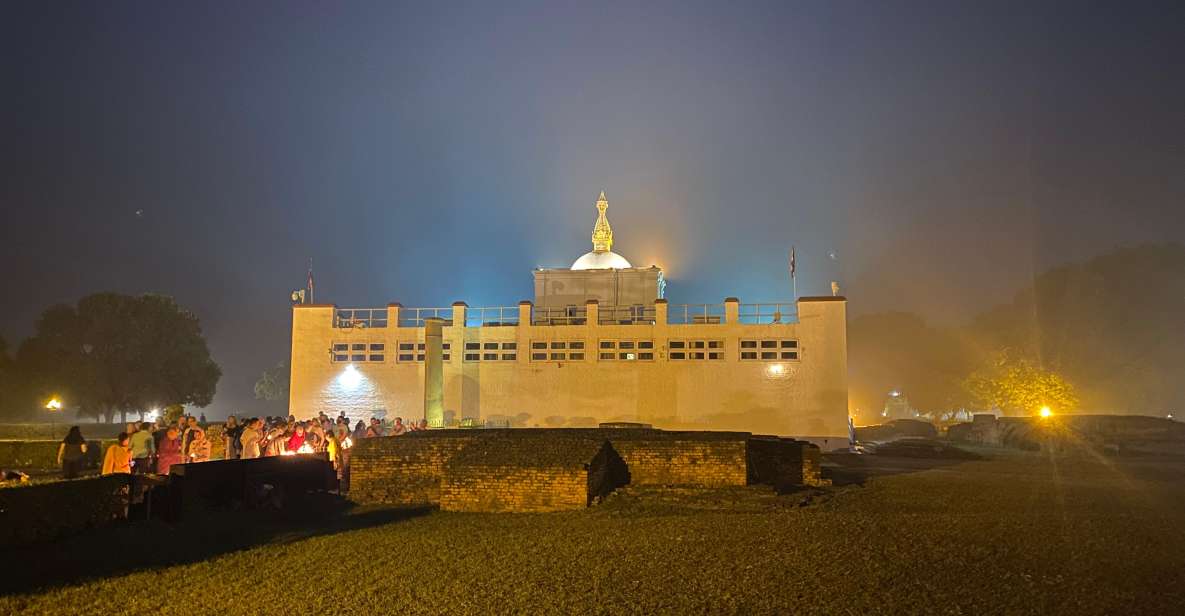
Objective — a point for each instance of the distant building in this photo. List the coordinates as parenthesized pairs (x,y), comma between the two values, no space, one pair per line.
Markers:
(598,343)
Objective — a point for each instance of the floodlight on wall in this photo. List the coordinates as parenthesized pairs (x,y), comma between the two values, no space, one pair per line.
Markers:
(350,377)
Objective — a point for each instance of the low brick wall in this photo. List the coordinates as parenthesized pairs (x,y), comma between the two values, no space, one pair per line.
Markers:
(401,470)
(419,468)
(531,474)
(706,463)
(42,512)
(783,462)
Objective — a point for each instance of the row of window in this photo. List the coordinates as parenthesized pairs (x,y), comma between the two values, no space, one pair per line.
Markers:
(573,350)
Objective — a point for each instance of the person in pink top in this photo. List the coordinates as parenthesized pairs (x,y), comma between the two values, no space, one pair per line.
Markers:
(168,452)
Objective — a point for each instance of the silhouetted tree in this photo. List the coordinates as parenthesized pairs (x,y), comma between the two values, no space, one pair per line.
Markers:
(116,353)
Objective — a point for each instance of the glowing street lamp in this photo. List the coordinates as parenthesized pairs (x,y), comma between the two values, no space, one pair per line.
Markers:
(1045,411)
(53,405)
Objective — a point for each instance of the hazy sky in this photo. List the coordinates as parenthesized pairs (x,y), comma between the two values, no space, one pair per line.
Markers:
(437,152)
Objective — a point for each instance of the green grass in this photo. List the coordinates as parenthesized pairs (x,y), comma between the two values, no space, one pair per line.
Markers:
(1015,534)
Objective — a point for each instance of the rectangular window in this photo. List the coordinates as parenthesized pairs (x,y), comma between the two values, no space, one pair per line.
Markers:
(509,346)
(358,357)
(419,357)
(490,346)
(407,346)
(748,344)
(769,344)
(576,344)
(678,344)
(789,344)
(715,355)
(698,344)
(538,345)
(376,357)
(645,344)
(608,356)
(357,347)
(625,344)
(748,355)
(626,356)
(509,356)
(576,356)
(608,344)
(697,355)
(559,356)
(472,356)
(789,354)
(715,344)
(558,345)
(341,357)
(340,346)
(678,355)
(489,357)
(406,357)
(646,356)
(769,355)
(538,356)
(377,347)
(472,346)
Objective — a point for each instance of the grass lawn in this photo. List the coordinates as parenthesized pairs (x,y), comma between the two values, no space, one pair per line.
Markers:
(1018,533)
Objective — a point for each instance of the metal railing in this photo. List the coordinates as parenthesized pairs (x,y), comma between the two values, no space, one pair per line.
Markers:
(414,317)
(767,314)
(360,317)
(491,316)
(626,315)
(695,314)
(557,315)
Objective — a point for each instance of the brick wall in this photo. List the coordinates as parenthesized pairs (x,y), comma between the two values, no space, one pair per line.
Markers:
(545,469)
(706,463)
(531,473)
(401,470)
(783,462)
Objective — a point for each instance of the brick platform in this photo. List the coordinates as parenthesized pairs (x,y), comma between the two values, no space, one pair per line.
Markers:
(552,469)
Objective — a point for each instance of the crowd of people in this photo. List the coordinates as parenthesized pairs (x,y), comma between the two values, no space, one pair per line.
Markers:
(155,447)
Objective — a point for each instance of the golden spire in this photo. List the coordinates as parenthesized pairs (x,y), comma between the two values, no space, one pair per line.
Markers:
(602,235)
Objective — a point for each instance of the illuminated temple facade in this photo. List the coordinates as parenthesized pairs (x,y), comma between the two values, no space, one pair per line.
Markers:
(598,343)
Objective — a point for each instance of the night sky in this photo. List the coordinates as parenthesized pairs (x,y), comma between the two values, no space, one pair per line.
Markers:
(930,157)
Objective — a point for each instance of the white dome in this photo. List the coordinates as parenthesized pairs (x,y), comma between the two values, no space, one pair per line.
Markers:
(601,260)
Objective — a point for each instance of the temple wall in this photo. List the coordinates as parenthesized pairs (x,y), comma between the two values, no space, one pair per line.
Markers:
(806,396)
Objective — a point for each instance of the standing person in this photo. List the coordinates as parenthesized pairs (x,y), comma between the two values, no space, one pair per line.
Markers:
(249,439)
(187,435)
(71,453)
(168,451)
(359,431)
(199,447)
(297,438)
(398,429)
(119,457)
(230,437)
(143,447)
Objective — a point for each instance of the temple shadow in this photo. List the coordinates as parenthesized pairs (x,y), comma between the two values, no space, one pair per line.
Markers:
(146,544)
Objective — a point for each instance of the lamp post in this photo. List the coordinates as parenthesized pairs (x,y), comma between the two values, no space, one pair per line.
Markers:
(54,406)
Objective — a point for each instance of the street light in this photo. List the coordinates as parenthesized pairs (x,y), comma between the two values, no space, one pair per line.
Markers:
(53,406)
(1045,411)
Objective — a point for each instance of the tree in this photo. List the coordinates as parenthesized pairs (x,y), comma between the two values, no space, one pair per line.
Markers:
(273,384)
(1017,387)
(118,353)
(1111,325)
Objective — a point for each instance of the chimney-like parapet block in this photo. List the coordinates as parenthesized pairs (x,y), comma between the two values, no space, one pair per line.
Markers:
(732,310)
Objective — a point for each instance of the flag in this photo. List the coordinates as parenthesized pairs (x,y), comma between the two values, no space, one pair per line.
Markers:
(309,284)
(793,262)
